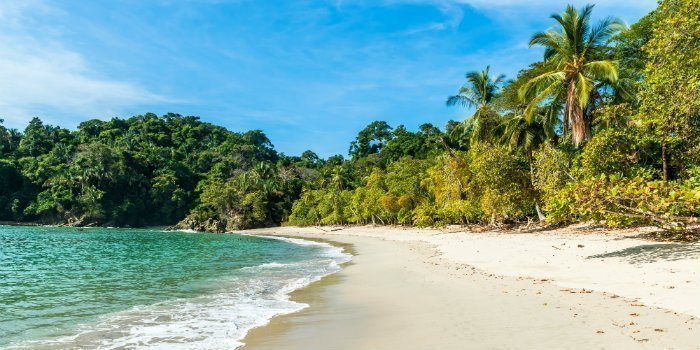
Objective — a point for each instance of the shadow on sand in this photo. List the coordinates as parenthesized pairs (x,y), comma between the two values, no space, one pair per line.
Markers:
(648,253)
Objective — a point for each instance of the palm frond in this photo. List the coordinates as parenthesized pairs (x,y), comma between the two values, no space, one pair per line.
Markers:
(604,31)
(604,70)
(533,86)
(480,89)
(584,86)
(467,97)
(543,94)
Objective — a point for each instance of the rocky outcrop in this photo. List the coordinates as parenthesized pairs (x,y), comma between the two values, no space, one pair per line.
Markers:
(195,224)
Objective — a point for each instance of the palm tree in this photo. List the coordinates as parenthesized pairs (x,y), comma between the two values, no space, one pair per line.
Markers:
(578,54)
(526,133)
(478,92)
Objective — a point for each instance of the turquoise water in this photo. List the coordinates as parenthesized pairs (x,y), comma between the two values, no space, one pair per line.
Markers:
(65,288)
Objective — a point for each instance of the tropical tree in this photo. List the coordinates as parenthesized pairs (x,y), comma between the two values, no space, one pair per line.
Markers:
(670,105)
(521,130)
(521,133)
(579,57)
(479,92)
(371,139)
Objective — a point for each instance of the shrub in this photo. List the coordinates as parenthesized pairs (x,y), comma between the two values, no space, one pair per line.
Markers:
(503,179)
(616,201)
(617,152)
(451,200)
(552,171)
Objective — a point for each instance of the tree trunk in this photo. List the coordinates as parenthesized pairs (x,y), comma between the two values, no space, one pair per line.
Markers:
(580,126)
(540,216)
(664,160)
(565,122)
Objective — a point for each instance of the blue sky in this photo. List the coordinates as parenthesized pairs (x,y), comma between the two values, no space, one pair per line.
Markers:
(310,74)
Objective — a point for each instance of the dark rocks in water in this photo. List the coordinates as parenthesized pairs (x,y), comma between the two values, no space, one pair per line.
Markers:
(206,225)
(218,224)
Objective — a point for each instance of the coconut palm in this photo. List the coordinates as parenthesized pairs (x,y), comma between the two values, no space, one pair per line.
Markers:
(578,54)
(479,91)
(526,133)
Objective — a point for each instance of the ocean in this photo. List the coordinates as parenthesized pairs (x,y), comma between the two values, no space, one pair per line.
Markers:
(102,288)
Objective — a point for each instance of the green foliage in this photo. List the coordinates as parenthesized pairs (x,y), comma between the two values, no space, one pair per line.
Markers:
(479,92)
(503,179)
(562,134)
(616,152)
(629,45)
(552,170)
(371,139)
(618,201)
(452,200)
(670,100)
(424,143)
(238,203)
(11,185)
(488,184)
(405,192)
(318,207)
(145,170)
(614,116)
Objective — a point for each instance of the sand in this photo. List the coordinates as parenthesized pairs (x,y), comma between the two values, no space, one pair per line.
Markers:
(427,289)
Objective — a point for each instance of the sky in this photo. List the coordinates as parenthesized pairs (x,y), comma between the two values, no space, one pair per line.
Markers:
(310,74)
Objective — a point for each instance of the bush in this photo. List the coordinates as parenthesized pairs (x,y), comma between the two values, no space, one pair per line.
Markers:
(616,201)
(617,152)
(503,178)
(552,170)
(451,200)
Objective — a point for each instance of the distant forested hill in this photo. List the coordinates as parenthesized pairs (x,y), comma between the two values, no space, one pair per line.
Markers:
(145,170)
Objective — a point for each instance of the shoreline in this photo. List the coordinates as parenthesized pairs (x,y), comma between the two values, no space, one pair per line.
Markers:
(463,306)
(299,295)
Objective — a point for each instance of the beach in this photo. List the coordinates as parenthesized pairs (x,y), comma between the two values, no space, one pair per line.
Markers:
(434,289)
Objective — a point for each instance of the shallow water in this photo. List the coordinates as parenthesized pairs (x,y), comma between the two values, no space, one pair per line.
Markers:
(66,288)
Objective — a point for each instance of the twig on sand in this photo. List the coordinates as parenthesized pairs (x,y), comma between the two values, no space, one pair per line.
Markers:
(330,229)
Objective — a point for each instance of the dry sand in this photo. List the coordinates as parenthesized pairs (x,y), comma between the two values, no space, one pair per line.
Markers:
(427,289)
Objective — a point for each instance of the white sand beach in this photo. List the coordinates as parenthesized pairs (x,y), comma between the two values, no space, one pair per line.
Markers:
(569,288)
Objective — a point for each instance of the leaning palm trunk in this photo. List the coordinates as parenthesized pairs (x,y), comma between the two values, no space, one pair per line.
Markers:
(580,125)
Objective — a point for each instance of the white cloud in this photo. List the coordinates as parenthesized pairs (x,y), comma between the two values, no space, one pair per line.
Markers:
(522,11)
(499,3)
(40,76)
(496,5)
(514,11)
